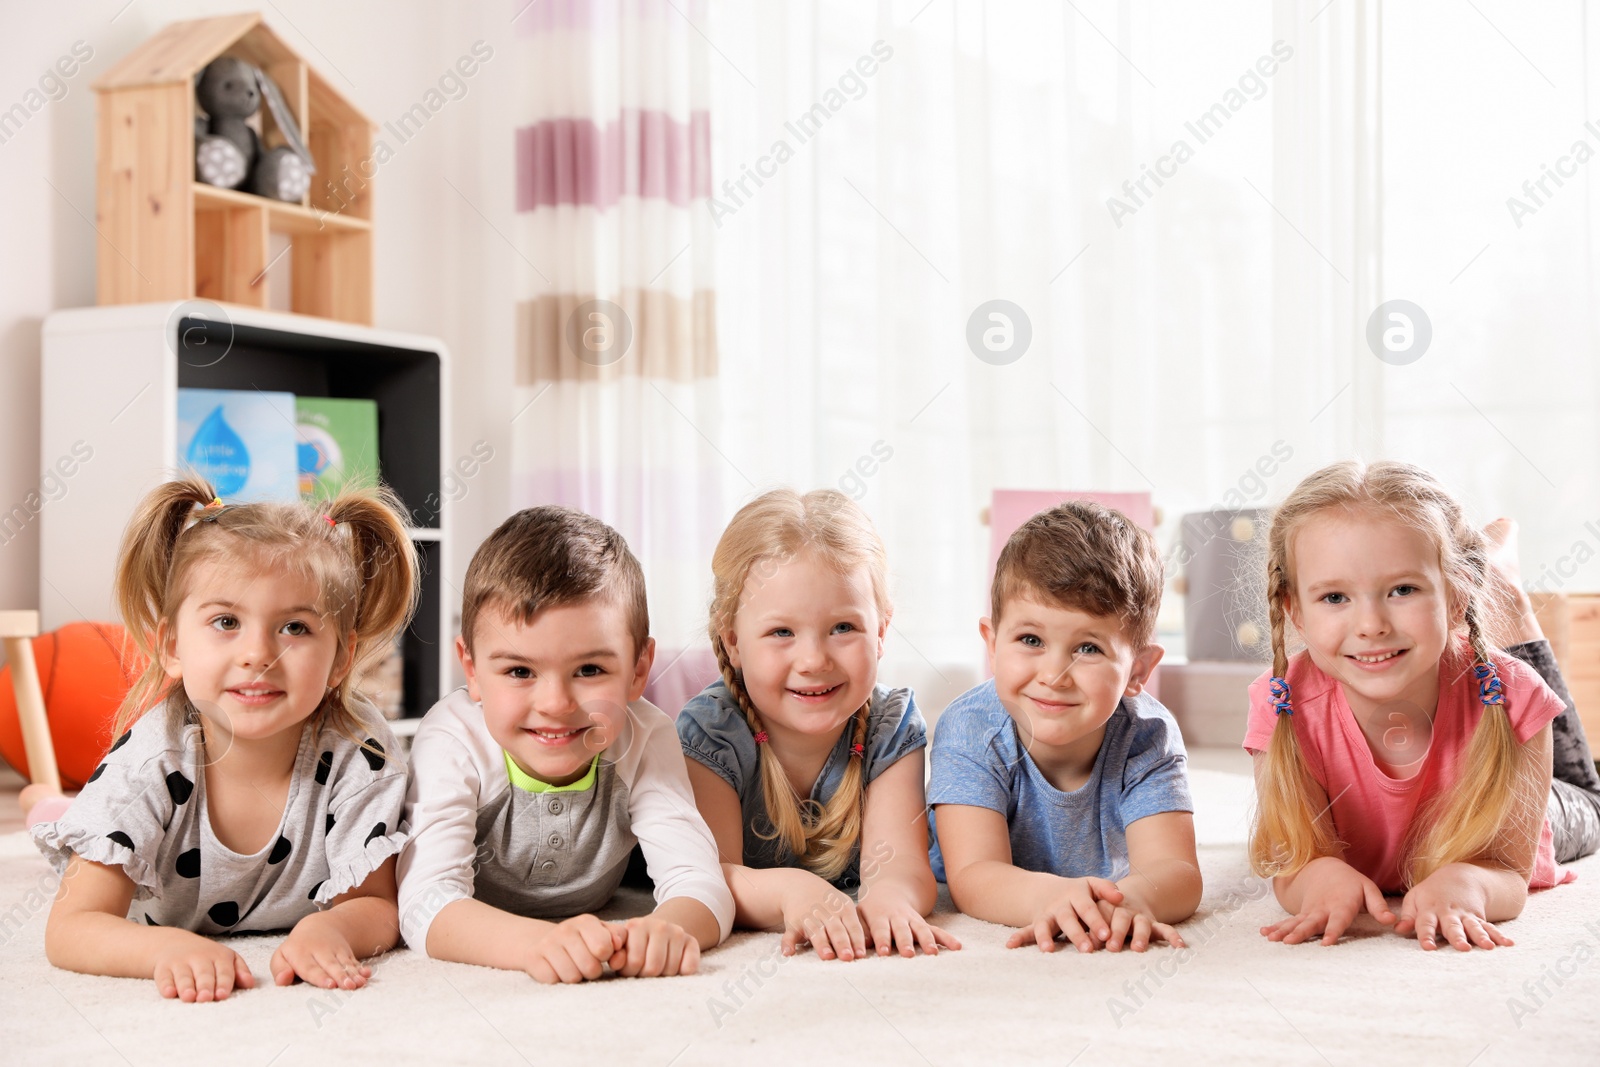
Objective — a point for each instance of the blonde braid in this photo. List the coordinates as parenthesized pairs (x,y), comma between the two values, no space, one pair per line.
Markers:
(1468,822)
(783,809)
(831,840)
(1288,833)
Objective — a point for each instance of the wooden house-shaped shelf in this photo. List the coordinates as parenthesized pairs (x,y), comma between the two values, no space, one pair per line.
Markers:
(166,236)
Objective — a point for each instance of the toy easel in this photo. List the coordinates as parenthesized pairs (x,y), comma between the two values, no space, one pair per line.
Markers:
(17,630)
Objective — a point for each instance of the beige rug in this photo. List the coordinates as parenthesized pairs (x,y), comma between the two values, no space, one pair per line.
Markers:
(1372,1000)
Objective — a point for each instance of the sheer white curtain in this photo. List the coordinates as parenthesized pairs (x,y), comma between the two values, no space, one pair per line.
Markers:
(1331,158)
(1489,223)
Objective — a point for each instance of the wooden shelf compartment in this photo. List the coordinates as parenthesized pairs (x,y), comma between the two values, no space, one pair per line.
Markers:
(164,236)
(329,259)
(282,217)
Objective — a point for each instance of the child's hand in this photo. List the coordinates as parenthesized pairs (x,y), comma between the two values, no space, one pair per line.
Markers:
(653,948)
(319,954)
(890,920)
(1448,904)
(1134,928)
(1333,893)
(1073,911)
(197,970)
(574,950)
(816,912)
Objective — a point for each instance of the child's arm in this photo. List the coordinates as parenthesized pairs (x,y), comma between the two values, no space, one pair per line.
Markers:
(470,931)
(679,849)
(897,885)
(693,904)
(805,906)
(359,916)
(1163,885)
(1325,896)
(695,918)
(1461,902)
(88,931)
(694,908)
(668,941)
(984,883)
(325,948)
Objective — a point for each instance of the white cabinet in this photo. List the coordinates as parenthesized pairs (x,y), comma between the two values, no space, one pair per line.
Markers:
(109,386)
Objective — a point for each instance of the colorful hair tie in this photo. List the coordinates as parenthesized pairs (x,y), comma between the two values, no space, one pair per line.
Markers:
(216,502)
(1489,689)
(858,749)
(212,511)
(330,519)
(761,737)
(1279,688)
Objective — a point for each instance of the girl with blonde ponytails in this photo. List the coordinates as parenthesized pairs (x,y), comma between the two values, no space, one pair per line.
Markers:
(809,773)
(251,787)
(1401,753)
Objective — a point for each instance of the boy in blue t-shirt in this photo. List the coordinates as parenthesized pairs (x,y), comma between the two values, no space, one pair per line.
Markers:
(1060,789)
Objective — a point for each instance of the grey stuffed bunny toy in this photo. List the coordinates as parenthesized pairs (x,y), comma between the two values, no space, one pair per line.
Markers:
(228,152)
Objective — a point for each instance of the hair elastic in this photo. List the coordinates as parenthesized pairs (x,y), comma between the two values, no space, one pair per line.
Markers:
(761,737)
(212,511)
(330,518)
(1279,687)
(858,749)
(1489,689)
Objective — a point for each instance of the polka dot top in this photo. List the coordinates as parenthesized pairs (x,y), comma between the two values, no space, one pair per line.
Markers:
(144,810)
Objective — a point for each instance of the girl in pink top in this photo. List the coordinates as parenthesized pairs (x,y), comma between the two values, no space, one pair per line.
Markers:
(1400,752)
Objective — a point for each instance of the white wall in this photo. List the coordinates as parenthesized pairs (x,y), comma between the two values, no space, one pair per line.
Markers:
(441,266)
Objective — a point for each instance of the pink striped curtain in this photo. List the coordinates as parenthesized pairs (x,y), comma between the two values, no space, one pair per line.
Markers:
(614,245)
(612,178)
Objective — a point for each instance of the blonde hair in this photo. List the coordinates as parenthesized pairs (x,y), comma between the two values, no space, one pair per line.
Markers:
(769,531)
(354,548)
(1463,824)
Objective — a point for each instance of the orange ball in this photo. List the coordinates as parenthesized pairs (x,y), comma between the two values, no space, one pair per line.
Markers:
(85,670)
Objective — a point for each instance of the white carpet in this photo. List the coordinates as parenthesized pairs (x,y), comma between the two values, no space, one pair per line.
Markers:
(1373,999)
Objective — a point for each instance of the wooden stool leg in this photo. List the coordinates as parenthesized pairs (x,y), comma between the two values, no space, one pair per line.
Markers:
(18,628)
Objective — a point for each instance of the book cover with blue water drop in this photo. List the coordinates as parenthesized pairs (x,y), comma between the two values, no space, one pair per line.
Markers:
(240,440)
(338,444)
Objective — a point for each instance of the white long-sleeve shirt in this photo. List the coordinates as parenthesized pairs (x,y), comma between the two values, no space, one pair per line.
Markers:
(555,852)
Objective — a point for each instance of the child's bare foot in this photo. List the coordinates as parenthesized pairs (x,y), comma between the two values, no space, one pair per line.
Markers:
(34,792)
(1515,621)
(42,803)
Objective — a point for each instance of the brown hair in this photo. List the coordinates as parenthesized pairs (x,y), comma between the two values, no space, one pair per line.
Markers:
(766,533)
(1464,824)
(354,548)
(1087,557)
(548,556)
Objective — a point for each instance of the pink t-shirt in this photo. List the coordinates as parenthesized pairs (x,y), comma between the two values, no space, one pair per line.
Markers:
(1372,812)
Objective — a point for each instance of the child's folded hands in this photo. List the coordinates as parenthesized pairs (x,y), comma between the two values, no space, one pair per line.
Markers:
(1134,927)
(1071,909)
(654,947)
(574,950)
